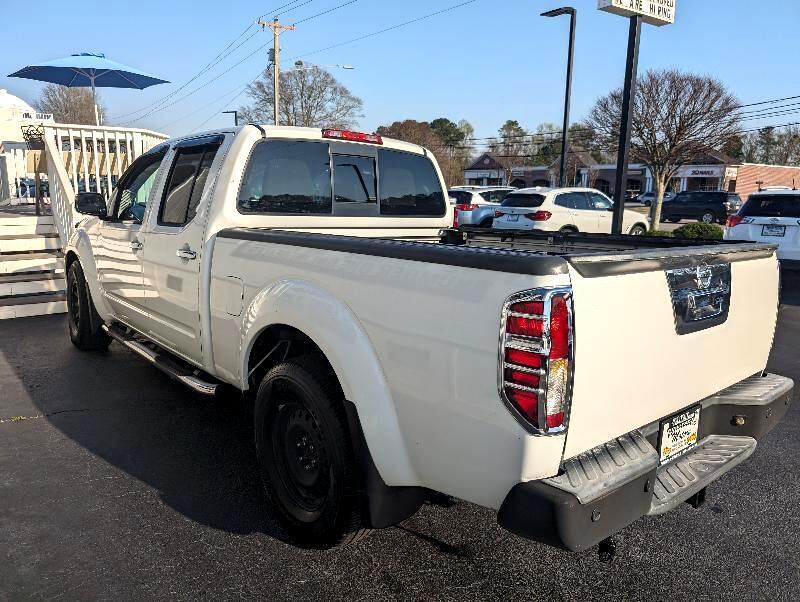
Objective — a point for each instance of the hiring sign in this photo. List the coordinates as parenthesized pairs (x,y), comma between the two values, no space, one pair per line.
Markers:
(653,12)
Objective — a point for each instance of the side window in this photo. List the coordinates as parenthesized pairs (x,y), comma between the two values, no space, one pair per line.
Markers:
(287,176)
(354,185)
(578,200)
(497,196)
(565,200)
(132,195)
(184,188)
(409,185)
(599,202)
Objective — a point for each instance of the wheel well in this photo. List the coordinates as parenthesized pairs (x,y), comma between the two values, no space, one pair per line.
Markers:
(276,344)
(69,260)
(569,229)
(639,224)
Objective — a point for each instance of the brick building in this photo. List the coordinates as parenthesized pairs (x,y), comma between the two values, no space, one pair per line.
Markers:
(715,171)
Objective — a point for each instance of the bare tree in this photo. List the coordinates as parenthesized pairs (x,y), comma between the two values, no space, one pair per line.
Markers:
(677,117)
(69,105)
(309,97)
(421,132)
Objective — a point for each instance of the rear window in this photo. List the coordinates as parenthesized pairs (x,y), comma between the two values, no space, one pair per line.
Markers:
(775,205)
(286,176)
(519,199)
(409,185)
(462,197)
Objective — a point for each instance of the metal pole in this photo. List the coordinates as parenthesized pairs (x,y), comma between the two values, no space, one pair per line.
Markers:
(94,102)
(276,31)
(573,16)
(629,93)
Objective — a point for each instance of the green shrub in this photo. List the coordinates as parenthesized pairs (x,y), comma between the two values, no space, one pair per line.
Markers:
(700,231)
(660,233)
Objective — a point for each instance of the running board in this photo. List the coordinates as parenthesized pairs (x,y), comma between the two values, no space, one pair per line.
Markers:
(163,362)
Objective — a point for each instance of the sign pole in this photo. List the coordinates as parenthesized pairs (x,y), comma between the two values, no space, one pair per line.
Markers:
(628,95)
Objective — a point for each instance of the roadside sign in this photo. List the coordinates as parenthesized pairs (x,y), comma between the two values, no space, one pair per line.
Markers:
(653,12)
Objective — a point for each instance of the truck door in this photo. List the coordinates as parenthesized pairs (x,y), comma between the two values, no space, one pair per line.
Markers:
(120,240)
(173,253)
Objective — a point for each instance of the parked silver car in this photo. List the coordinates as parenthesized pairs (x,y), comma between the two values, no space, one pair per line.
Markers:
(647,198)
(476,206)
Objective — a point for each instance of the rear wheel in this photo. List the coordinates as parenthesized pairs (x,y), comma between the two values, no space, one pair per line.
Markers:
(306,456)
(708,217)
(638,230)
(568,230)
(84,323)
(487,223)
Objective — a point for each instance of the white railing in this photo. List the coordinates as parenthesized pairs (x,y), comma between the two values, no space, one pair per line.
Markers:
(82,158)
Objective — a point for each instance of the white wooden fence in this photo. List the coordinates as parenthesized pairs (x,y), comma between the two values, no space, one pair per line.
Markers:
(83,158)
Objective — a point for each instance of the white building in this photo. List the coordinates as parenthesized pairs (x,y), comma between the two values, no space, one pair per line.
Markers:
(14,114)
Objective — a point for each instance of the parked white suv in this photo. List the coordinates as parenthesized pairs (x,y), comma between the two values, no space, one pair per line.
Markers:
(476,206)
(563,210)
(772,216)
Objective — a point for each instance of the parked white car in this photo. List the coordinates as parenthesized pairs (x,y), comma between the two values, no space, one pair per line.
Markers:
(771,215)
(564,210)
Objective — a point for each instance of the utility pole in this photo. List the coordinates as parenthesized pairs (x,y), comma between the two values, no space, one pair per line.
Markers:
(276,28)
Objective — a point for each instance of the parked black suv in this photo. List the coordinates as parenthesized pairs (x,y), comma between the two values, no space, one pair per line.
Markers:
(706,206)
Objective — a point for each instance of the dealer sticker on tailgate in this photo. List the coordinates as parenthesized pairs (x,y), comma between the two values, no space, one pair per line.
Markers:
(679,434)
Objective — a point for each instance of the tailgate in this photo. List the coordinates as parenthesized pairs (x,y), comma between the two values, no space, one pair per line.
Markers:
(639,357)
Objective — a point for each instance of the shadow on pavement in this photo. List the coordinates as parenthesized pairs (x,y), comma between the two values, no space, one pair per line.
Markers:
(197,453)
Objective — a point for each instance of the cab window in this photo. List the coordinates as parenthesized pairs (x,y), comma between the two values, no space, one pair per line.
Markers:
(287,176)
(186,182)
(409,185)
(133,193)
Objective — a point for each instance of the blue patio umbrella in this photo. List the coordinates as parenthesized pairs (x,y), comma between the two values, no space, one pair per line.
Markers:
(87,70)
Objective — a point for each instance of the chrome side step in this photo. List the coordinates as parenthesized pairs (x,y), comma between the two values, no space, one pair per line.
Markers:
(163,361)
(679,480)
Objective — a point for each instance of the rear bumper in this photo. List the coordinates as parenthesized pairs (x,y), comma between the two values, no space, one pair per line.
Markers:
(604,490)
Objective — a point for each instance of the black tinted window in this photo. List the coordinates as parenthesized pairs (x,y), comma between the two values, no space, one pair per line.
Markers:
(521,199)
(286,176)
(462,197)
(186,182)
(565,200)
(772,206)
(409,185)
(578,200)
(354,185)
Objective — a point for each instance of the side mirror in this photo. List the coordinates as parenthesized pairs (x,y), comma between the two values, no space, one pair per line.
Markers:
(90,203)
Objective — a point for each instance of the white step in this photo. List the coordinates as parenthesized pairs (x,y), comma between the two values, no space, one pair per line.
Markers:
(30,229)
(10,219)
(32,287)
(14,243)
(33,309)
(30,262)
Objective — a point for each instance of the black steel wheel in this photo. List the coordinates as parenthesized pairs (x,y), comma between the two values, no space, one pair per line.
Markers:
(85,325)
(307,461)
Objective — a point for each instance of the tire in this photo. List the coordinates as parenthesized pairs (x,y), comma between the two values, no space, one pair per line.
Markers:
(306,456)
(568,230)
(708,217)
(647,203)
(638,230)
(487,223)
(84,323)
(673,220)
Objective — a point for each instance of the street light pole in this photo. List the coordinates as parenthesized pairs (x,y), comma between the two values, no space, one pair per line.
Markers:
(573,17)
(628,95)
(235,116)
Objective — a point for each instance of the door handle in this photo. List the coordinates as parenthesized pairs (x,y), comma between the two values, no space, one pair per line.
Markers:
(186,254)
(136,245)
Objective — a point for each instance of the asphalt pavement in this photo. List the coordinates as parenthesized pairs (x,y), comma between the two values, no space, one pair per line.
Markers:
(115,483)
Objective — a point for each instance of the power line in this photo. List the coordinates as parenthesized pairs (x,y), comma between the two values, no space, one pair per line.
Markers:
(325,12)
(215,61)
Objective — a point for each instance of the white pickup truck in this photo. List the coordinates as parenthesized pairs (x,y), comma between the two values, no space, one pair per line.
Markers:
(388,355)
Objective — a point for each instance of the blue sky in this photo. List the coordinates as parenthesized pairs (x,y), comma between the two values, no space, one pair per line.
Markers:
(486,62)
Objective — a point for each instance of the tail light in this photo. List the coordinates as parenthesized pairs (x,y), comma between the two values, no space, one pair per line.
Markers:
(539,216)
(535,371)
(466,207)
(735,220)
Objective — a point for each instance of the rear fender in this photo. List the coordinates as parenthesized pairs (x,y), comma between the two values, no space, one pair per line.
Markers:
(337,332)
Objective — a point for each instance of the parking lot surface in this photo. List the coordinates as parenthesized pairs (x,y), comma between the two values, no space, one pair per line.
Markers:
(117,483)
